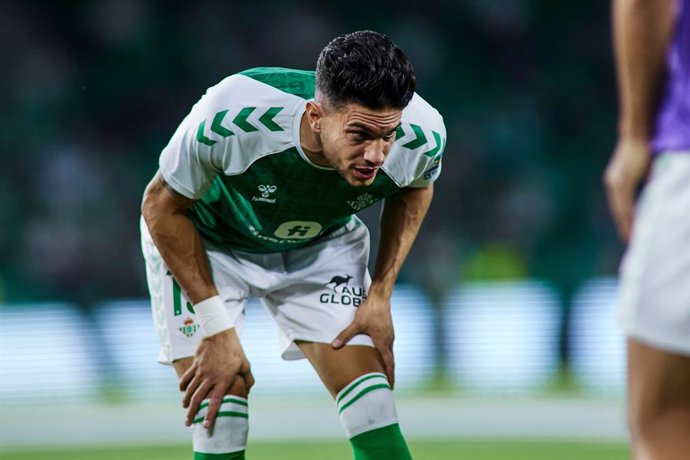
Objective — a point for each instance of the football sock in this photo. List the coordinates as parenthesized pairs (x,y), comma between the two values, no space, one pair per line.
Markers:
(227,439)
(367,412)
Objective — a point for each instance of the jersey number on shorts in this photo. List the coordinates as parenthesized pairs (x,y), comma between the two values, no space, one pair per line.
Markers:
(177,298)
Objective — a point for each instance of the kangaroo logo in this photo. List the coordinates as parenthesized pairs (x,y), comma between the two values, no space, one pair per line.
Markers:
(338,280)
(349,296)
(266,190)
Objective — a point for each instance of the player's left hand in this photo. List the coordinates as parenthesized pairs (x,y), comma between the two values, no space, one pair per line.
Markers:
(373,318)
(218,362)
(628,167)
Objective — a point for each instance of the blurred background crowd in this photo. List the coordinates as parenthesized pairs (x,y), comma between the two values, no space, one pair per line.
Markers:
(92,90)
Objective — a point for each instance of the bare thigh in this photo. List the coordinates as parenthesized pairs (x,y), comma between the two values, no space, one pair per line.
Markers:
(181,365)
(658,381)
(337,368)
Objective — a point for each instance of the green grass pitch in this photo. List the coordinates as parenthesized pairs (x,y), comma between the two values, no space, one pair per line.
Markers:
(336,450)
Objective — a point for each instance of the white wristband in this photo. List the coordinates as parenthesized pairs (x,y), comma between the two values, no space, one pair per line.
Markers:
(212,316)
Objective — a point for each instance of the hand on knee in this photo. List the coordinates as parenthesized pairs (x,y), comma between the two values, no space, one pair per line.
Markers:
(228,436)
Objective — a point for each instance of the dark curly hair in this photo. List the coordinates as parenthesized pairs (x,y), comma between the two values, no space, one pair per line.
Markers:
(366,68)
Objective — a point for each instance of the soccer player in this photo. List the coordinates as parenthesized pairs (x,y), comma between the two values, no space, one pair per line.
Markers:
(652,49)
(255,197)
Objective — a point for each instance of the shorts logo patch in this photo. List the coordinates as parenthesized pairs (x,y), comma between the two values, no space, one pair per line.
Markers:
(338,280)
(189,327)
(343,293)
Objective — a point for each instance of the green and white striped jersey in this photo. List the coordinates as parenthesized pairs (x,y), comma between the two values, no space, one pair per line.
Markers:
(238,153)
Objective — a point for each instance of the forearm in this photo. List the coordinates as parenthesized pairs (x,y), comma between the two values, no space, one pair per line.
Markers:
(178,242)
(400,222)
(642,30)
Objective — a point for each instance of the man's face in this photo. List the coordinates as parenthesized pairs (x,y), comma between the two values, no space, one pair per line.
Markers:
(356,140)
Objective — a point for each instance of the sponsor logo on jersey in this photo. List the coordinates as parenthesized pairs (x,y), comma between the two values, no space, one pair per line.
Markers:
(294,231)
(429,173)
(297,229)
(266,191)
(362,201)
(257,234)
(189,328)
(342,293)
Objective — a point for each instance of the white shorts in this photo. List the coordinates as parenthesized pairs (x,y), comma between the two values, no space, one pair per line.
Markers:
(654,296)
(312,292)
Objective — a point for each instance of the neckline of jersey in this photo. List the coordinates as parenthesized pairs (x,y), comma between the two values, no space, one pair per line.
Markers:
(298,142)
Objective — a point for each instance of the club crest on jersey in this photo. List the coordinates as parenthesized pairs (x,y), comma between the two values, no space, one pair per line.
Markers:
(362,201)
(266,191)
(342,293)
(189,328)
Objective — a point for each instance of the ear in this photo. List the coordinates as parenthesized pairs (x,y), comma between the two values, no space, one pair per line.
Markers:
(314,113)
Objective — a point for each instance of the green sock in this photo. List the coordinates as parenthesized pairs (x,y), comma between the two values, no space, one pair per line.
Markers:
(385,443)
(231,456)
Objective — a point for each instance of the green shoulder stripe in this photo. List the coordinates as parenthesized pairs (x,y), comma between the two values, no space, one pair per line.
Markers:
(297,82)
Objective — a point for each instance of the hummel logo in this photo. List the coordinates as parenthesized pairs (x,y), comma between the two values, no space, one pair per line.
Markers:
(266,191)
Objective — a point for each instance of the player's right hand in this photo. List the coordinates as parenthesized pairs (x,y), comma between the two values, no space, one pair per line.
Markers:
(218,361)
(628,167)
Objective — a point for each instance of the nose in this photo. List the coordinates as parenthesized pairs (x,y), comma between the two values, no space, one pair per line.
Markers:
(375,153)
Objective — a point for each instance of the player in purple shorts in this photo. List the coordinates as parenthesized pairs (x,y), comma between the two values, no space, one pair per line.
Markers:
(652,51)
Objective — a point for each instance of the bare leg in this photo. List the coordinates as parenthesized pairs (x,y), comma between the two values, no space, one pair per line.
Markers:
(181,365)
(658,403)
(337,368)
(227,439)
(365,402)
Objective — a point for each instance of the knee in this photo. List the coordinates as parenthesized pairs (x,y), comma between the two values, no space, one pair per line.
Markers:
(659,432)
(642,418)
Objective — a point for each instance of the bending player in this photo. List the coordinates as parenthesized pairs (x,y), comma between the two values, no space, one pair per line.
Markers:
(255,197)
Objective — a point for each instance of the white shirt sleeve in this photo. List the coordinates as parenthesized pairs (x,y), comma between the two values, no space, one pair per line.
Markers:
(415,161)
(431,169)
(187,164)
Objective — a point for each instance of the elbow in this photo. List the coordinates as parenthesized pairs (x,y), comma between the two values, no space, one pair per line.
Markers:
(159,203)
(631,4)
(149,201)
(146,203)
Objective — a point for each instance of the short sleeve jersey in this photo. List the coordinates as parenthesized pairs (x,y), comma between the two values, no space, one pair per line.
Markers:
(672,131)
(238,153)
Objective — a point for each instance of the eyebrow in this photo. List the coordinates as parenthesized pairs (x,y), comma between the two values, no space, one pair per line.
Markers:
(366,128)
